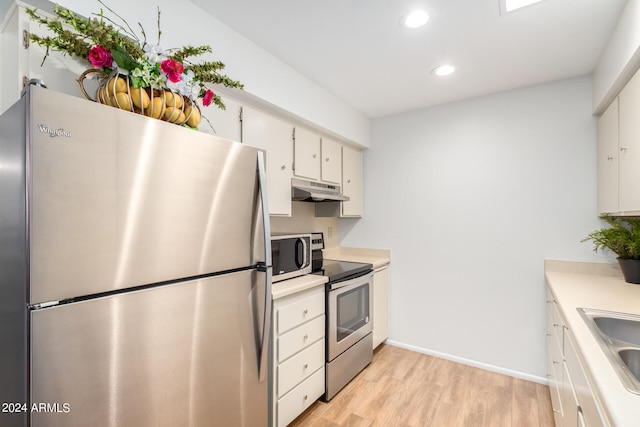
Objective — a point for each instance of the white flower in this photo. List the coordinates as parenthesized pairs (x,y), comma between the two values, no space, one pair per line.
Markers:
(155,54)
(176,87)
(187,86)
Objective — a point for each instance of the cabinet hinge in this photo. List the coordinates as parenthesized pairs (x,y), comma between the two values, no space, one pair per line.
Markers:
(293,134)
(25,81)
(25,39)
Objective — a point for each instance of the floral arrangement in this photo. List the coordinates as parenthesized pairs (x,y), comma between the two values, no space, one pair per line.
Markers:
(110,46)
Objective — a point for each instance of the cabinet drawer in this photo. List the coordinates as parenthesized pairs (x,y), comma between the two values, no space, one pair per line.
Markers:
(296,313)
(556,327)
(300,338)
(554,373)
(296,369)
(300,398)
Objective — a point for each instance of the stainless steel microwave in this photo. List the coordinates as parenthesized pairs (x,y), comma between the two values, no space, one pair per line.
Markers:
(290,255)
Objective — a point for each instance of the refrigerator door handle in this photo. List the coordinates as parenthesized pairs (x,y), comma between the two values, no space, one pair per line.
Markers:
(263,367)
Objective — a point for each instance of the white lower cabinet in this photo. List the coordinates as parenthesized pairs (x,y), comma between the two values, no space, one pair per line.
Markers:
(299,353)
(300,398)
(571,395)
(380,305)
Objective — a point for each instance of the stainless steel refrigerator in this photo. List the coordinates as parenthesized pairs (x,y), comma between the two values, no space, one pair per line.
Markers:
(135,273)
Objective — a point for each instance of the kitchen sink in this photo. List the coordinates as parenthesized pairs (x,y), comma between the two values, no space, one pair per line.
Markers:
(619,328)
(631,358)
(619,336)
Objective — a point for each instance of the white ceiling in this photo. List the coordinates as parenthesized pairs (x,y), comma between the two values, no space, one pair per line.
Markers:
(358,51)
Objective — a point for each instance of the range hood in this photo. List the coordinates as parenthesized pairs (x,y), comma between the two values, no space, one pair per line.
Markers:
(311,191)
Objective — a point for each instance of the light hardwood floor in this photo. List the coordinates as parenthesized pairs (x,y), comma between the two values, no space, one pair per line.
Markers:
(406,388)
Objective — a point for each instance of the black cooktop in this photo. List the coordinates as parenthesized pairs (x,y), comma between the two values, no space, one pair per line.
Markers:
(342,270)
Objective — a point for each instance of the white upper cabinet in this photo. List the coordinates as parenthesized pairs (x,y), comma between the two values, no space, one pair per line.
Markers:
(307,154)
(22,60)
(275,136)
(317,158)
(608,154)
(629,178)
(223,123)
(331,162)
(619,153)
(352,181)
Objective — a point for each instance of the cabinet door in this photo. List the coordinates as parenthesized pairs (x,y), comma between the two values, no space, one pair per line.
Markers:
(307,154)
(380,306)
(273,135)
(569,401)
(608,156)
(223,123)
(352,181)
(630,145)
(23,61)
(331,163)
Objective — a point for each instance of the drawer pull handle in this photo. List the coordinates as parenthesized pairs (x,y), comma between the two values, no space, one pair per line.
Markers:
(306,365)
(306,337)
(305,312)
(306,397)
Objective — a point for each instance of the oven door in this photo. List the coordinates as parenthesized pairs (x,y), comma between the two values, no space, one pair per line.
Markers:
(349,313)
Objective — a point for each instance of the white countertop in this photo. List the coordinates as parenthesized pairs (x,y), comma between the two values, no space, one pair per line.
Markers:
(297,284)
(378,257)
(586,285)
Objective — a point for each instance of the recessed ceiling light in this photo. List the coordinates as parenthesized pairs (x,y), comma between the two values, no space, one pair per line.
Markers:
(511,5)
(416,19)
(443,70)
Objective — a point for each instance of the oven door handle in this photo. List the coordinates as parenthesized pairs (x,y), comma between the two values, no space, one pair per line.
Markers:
(357,280)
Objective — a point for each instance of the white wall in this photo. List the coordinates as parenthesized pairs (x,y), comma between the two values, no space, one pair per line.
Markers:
(471,197)
(266,78)
(620,59)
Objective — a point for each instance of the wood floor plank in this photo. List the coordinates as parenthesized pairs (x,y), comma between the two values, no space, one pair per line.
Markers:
(403,388)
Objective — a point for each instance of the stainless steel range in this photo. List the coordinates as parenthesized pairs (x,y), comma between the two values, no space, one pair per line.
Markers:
(349,308)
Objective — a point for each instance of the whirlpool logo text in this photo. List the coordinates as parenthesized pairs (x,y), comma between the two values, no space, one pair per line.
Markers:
(54,133)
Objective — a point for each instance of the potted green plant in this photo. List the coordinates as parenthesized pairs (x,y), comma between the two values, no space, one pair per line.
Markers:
(622,237)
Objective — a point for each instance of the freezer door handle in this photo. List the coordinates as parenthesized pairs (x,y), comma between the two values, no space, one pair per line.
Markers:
(266,228)
(263,367)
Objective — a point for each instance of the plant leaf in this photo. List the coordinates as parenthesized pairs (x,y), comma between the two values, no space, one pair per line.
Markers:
(122,58)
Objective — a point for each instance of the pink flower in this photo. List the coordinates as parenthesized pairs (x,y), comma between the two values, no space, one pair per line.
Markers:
(172,69)
(208,97)
(100,57)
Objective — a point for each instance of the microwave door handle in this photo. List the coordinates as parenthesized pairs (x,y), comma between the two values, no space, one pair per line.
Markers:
(301,253)
(305,245)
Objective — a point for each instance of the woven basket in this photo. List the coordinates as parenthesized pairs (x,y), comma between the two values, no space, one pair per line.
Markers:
(115,90)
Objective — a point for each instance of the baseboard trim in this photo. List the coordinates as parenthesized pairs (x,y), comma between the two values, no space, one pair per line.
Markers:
(474,363)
